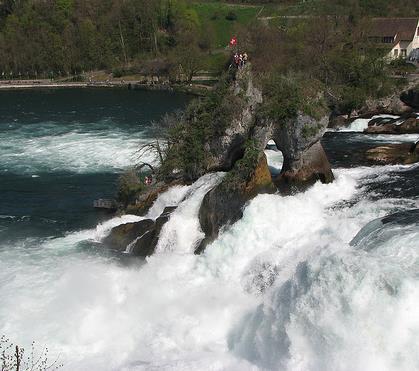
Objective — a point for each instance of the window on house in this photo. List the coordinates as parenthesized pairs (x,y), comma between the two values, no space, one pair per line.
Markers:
(396,52)
(387,39)
(403,53)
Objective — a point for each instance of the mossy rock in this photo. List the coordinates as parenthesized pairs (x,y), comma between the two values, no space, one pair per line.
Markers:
(223,205)
(146,198)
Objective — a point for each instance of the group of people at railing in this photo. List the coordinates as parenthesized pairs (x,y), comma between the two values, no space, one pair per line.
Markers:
(240,59)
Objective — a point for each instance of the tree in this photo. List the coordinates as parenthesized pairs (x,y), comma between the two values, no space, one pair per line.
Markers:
(14,358)
(188,57)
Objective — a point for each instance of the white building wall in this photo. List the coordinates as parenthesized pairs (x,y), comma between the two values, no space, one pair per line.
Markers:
(395,52)
(415,42)
(405,45)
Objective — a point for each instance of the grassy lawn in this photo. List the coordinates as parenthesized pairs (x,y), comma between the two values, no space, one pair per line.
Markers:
(213,14)
(215,62)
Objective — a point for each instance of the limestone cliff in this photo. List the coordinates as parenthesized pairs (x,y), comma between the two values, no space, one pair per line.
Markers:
(298,138)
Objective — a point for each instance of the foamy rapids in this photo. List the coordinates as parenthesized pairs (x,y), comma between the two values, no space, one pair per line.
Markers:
(282,289)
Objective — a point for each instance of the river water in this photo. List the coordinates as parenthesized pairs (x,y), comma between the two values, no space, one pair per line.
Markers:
(303,282)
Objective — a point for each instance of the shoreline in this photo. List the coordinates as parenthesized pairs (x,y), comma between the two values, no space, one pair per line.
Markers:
(194,89)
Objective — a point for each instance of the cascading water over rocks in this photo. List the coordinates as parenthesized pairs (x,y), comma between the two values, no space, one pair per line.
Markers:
(235,143)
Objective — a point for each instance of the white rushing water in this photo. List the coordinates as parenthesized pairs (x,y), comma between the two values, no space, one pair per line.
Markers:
(50,147)
(359,125)
(282,289)
(274,158)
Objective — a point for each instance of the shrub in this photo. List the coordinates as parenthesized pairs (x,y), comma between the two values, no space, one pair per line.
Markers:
(204,119)
(282,97)
(117,72)
(400,66)
(243,168)
(129,186)
(231,16)
(216,15)
(14,357)
(286,95)
(352,98)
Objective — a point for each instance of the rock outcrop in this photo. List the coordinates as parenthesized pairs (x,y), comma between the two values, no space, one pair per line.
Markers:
(145,199)
(411,97)
(305,161)
(224,150)
(298,138)
(393,154)
(138,238)
(122,235)
(406,125)
(228,131)
(223,205)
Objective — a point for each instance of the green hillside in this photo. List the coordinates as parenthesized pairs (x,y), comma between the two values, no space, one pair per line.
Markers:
(44,38)
(225,19)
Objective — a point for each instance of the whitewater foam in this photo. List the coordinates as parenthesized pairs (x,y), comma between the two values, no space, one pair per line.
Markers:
(101,149)
(281,289)
(275,160)
(182,232)
(360,124)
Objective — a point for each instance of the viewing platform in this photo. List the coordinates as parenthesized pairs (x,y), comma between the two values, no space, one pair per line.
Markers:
(105,204)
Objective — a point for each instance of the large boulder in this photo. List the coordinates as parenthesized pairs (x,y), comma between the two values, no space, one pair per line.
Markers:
(305,161)
(311,166)
(146,244)
(122,235)
(410,125)
(138,238)
(411,97)
(393,154)
(223,205)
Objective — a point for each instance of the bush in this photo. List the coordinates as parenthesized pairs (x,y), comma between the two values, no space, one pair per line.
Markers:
(13,358)
(129,186)
(231,16)
(117,72)
(351,98)
(216,15)
(401,67)
(203,120)
(282,97)
(243,168)
(286,95)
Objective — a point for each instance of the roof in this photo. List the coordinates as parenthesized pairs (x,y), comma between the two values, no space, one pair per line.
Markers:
(399,28)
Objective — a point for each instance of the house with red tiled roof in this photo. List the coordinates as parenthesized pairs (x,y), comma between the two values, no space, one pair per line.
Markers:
(400,35)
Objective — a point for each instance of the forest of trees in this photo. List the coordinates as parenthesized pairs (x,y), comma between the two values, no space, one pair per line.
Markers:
(45,38)
(40,37)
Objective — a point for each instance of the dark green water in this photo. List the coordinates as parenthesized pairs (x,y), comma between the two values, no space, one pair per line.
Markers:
(61,149)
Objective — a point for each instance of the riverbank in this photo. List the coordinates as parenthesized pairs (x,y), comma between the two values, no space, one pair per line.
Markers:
(193,88)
